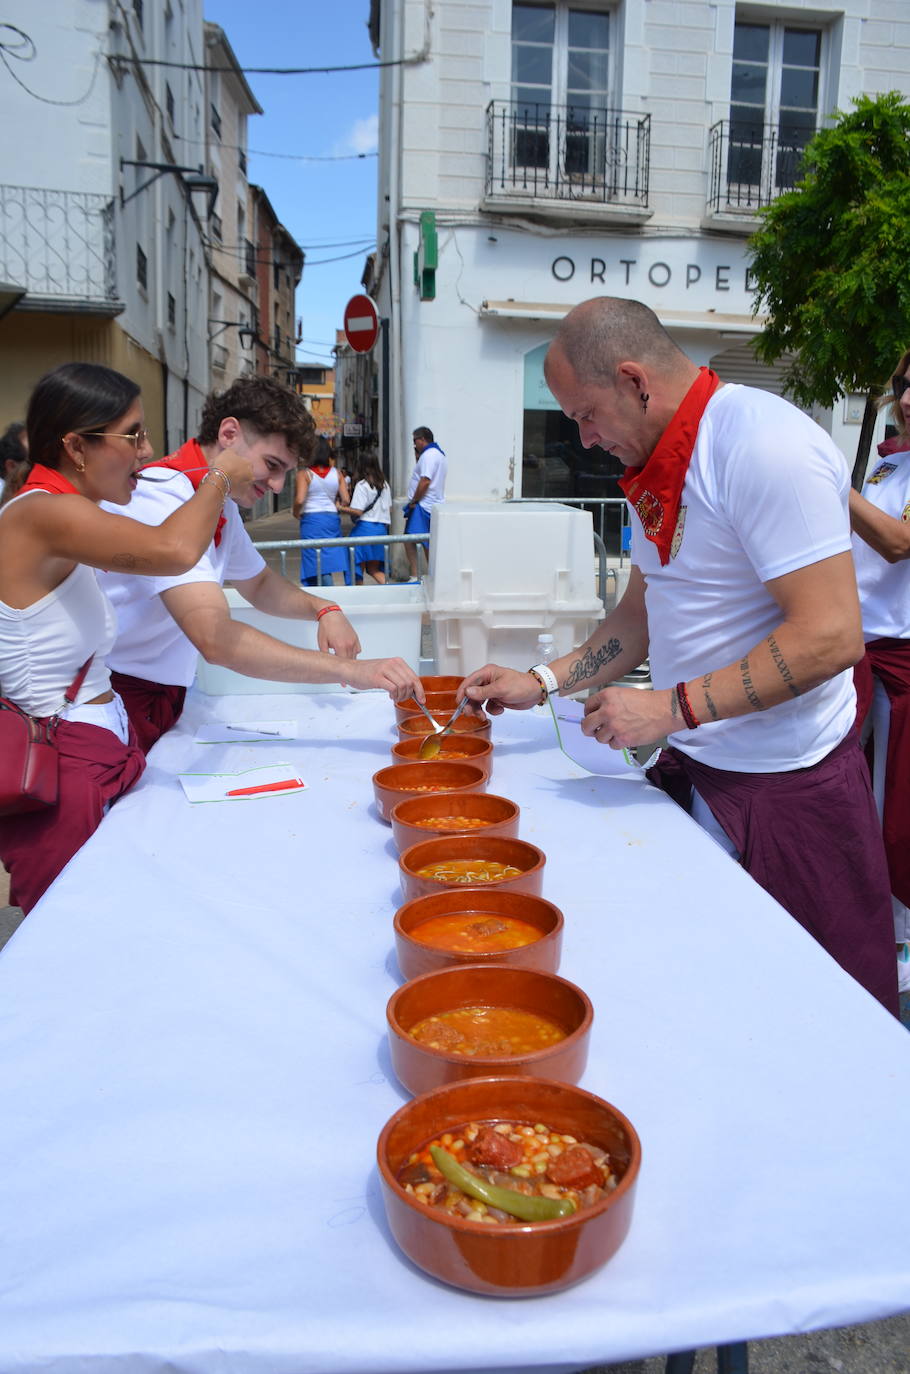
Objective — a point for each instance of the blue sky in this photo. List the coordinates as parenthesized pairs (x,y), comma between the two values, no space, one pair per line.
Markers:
(328,205)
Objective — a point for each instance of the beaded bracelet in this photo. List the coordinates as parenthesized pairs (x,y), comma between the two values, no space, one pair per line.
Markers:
(544,694)
(325,610)
(685,706)
(217,472)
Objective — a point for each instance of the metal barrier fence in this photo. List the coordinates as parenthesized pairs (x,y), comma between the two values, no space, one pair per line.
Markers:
(349,542)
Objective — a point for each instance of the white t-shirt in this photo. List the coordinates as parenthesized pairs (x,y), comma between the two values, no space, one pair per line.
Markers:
(765,494)
(321,493)
(432,463)
(363,495)
(150,644)
(884,588)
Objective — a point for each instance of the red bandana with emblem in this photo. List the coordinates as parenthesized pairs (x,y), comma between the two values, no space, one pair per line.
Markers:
(655,490)
(41,478)
(190,460)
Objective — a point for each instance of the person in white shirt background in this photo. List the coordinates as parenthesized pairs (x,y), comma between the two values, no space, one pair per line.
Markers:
(426,488)
(371,513)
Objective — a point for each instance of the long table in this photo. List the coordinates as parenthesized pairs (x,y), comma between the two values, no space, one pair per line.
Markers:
(193,1074)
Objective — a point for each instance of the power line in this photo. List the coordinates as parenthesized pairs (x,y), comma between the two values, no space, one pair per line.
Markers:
(24,50)
(293,157)
(266,71)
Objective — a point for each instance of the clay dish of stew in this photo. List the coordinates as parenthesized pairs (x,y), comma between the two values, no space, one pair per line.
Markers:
(480,814)
(477,850)
(401,780)
(460,749)
(420,1068)
(418,727)
(416,957)
(437,703)
(441,683)
(516,1259)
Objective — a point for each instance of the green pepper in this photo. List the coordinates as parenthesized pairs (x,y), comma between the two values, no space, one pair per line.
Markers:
(519,1205)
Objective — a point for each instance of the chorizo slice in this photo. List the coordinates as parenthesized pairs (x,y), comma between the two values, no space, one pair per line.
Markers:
(495,1150)
(575,1168)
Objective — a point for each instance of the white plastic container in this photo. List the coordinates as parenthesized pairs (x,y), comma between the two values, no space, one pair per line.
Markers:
(387,620)
(500,574)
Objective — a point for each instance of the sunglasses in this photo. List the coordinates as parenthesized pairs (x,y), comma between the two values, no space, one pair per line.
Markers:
(899,386)
(138,438)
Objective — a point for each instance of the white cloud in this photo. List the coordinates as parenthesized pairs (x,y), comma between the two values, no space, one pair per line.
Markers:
(362,137)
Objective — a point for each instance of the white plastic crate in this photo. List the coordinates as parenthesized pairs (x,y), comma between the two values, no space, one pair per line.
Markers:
(387,620)
(501,574)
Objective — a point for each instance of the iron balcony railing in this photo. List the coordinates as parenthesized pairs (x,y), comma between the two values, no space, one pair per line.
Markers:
(58,244)
(568,153)
(751,164)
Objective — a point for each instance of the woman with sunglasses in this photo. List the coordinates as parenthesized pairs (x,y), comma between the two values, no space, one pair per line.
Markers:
(87,441)
(881,552)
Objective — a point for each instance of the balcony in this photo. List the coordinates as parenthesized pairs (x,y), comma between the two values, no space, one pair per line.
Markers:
(59,245)
(749,165)
(567,158)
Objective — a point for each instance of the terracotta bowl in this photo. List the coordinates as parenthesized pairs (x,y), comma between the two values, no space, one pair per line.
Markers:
(513,1259)
(415,957)
(441,684)
(517,853)
(401,780)
(417,727)
(420,1068)
(464,749)
(437,703)
(497,816)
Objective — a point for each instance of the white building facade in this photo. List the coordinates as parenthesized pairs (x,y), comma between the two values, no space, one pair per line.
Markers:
(534,154)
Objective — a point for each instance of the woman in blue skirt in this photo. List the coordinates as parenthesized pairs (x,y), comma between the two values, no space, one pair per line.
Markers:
(320,490)
(371,511)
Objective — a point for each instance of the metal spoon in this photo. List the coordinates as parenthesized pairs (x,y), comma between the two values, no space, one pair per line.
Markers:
(430,746)
(437,728)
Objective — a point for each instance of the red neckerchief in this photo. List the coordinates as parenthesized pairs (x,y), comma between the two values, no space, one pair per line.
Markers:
(49,479)
(655,489)
(190,460)
(322,471)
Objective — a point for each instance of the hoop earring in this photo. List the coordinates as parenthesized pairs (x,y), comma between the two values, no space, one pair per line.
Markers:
(644,401)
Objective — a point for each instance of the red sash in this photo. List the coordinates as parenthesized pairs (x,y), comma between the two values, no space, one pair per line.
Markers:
(655,489)
(49,479)
(190,460)
(322,472)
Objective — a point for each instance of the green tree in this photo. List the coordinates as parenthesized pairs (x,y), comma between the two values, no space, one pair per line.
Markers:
(831,262)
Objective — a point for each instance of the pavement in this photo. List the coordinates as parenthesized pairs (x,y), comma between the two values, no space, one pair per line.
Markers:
(881,1347)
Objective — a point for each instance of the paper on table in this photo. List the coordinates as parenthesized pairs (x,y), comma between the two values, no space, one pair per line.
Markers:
(276,780)
(584,750)
(245,732)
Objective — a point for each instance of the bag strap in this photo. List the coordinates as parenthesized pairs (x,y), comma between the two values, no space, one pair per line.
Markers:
(72,690)
(373,502)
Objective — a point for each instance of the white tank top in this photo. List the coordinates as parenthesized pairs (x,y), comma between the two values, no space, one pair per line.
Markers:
(321,492)
(43,646)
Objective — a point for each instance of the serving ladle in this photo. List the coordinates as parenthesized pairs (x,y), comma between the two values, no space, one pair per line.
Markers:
(431,744)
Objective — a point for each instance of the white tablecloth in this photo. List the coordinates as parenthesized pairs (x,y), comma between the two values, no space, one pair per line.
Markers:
(193,1075)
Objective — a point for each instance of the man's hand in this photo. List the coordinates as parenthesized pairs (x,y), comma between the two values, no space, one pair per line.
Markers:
(501,687)
(623,717)
(391,674)
(336,635)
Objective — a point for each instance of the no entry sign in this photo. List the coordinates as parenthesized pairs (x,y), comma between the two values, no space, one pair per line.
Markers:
(361,323)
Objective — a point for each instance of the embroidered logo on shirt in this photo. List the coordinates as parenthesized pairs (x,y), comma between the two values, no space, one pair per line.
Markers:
(881,472)
(905,513)
(650,512)
(676,541)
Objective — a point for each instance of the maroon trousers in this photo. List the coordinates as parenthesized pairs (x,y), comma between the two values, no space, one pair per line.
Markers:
(153,707)
(811,838)
(889,661)
(95,768)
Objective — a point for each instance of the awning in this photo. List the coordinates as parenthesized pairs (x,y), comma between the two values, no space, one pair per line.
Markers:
(676,319)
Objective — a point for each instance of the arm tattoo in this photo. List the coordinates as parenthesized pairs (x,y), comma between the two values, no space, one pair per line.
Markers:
(751,695)
(128,562)
(709,700)
(589,665)
(674,702)
(781,666)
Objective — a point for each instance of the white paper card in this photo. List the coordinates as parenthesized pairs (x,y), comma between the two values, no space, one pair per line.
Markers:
(276,780)
(245,732)
(586,751)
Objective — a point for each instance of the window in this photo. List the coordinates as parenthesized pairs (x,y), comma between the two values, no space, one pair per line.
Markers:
(249,250)
(215,121)
(774,94)
(216,228)
(560,88)
(276,275)
(137,10)
(169,103)
(142,268)
(171,310)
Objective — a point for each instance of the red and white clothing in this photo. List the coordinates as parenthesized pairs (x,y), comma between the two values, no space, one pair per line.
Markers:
(765,494)
(884,594)
(321,492)
(149,643)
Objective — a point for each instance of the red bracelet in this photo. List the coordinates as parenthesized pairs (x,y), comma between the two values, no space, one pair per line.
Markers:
(685,706)
(325,610)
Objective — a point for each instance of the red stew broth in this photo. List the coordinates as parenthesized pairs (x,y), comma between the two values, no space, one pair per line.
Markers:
(487,1031)
(475,933)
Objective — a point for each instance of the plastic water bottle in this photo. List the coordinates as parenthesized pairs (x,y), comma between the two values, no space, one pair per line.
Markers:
(546,649)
